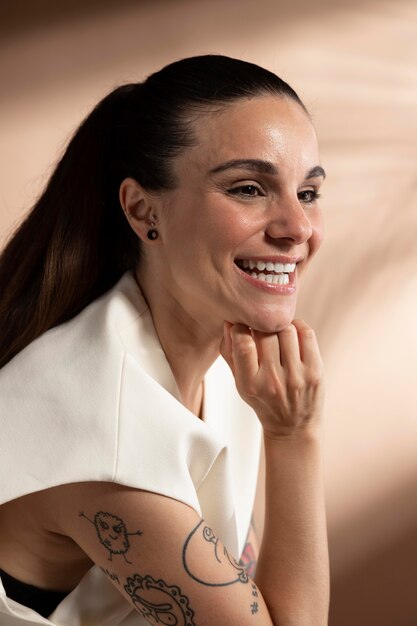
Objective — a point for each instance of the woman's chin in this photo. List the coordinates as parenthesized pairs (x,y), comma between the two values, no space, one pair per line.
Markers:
(269,323)
(269,329)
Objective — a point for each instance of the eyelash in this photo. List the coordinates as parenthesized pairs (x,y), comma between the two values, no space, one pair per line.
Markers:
(315,195)
(238,191)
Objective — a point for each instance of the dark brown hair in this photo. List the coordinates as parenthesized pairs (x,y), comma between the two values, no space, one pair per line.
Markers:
(76,243)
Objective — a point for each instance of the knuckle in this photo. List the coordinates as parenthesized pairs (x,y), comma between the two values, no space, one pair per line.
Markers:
(287,331)
(272,388)
(314,375)
(295,383)
(242,342)
(314,380)
(303,328)
(308,332)
(243,348)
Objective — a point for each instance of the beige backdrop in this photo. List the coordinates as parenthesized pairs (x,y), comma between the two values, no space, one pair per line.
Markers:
(354,64)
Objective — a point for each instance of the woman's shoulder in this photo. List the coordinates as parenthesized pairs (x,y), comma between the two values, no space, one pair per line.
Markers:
(59,399)
(82,405)
(91,337)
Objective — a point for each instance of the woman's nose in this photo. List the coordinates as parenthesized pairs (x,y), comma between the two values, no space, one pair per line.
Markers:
(289,220)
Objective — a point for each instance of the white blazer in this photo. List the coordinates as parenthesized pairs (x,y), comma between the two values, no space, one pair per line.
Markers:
(95,399)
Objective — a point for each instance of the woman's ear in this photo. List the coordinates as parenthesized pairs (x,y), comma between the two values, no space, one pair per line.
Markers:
(139,207)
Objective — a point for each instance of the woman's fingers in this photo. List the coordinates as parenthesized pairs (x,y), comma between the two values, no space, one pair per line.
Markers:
(292,347)
(299,351)
(268,349)
(309,348)
(290,352)
(226,349)
(245,357)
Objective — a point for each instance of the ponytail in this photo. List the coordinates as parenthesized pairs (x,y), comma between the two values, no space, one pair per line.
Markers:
(74,244)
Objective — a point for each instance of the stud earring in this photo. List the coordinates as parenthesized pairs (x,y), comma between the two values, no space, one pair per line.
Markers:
(152,232)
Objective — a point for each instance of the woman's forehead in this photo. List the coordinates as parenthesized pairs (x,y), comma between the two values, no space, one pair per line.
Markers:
(268,127)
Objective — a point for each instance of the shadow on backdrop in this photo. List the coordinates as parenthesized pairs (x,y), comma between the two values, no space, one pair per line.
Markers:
(379,587)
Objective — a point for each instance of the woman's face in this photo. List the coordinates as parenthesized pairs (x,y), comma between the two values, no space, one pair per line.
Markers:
(244,204)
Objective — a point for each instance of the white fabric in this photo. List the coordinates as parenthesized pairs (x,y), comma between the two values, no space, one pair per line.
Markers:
(95,399)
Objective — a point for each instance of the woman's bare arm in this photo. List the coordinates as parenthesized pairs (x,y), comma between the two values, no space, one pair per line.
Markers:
(293,567)
(165,560)
(280,376)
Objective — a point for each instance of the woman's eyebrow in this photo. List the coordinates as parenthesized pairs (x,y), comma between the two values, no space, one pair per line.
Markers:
(262,167)
(315,172)
(256,165)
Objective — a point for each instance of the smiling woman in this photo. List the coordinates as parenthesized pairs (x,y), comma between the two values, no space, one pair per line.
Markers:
(176,226)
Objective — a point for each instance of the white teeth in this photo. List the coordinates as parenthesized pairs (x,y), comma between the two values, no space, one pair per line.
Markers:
(272,279)
(278,268)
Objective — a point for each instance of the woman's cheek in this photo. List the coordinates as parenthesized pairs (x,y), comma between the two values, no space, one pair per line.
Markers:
(317,236)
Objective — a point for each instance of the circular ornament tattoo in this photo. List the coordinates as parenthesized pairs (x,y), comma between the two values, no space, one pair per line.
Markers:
(158,602)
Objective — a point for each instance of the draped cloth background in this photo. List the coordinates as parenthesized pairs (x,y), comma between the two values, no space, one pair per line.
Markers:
(354,64)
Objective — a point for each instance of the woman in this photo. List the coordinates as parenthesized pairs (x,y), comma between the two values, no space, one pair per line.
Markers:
(178,223)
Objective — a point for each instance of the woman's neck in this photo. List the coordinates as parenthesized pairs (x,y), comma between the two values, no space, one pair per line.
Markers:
(189,344)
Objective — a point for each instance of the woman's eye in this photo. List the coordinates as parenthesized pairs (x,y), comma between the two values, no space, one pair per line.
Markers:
(249,191)
(308,196)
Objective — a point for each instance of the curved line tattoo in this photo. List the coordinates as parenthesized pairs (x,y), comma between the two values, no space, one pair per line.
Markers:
(228,570)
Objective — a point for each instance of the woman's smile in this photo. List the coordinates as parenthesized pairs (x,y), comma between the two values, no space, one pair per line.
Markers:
(277,277)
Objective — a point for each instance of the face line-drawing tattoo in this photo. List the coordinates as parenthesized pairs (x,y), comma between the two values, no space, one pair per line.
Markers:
(229,573)
(159,602)
(112,533)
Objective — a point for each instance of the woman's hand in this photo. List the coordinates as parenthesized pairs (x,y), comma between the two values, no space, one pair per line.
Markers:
(280,375)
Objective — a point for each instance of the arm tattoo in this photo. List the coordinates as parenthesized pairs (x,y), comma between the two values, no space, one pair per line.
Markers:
(228,571)
(158,602)
(112,575)
(112,533)
(254,606)
(248,559)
